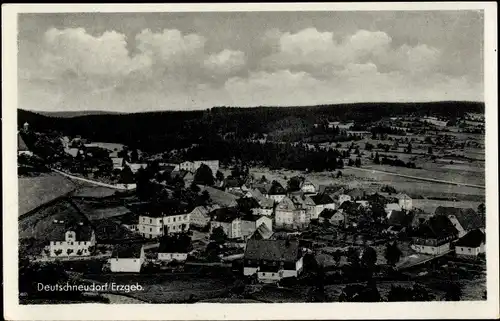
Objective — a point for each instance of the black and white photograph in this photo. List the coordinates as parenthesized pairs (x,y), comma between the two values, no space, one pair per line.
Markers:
(171,157)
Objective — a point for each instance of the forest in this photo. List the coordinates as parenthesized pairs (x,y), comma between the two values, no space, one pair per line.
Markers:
(166,130)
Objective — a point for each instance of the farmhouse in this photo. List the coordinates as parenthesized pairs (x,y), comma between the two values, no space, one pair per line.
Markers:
(250,223)
(117,162)
(276,192)
(200,217)
(471,244)
(272,260)
(174,248)
(71,238)
(232,185)
(127,258)
(434,236)
(464,219)
(317,203)
(229,219)
(334,217)
(160,220)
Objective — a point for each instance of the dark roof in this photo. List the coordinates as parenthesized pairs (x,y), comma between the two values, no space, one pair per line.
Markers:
(467,217)
(330,189)
(232,182)
(226,214)
(356,193)
(170,208)
(250,217)
(321,199)
(397,218)
(276,189)
(127,251)
(347,205)
(472,239)
(273,250)
(21,145)
(327,213)
(262,232)
(435,227)
(175,244)
(248,202)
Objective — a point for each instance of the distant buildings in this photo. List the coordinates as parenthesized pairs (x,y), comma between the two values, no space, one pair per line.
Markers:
(272,260)
(200,217)
(434,236)
(463,219)
(290,214)
(174,248)
(404,201)
(192,166)
(127,258)
(317,203)
(307,187)
(228,219)
(471,244)
(434,121)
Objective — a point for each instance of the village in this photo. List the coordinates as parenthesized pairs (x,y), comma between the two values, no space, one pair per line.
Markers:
(102,212)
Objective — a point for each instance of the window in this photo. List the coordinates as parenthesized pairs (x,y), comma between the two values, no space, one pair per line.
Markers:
(469,250)
(263,274)
(70,243)
(150,221)
(150,229)
(173,219)
(185,217)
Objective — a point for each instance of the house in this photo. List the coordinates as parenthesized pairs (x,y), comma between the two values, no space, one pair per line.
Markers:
(219,197)
(22,148)
(404,201)
(464,219)
(333,124)
(229,218)
(261,233)
(127,258)
(200,217)
(250,223)
(117,162)
(232,185)
(471,244)
(71,238)
(291,214)
(272,260)
(434,236)
(341,198)
(162,219)
(356,194)
(391,207)
(266,205)
(317,203)
(363,203)
(194,165)
(345,126)
(334,217)
(150,225)
(174,248)
(400,218)
(276,192)
(134,167)
(307,187)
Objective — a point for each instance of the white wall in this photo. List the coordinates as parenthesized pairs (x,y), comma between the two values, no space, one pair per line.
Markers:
(125,265)
(269,277)
(434,250)
(250,270)
(172,256)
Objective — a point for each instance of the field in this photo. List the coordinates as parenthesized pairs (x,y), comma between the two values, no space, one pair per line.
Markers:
(429,206)
(38,190)
(98,211)
(169,288)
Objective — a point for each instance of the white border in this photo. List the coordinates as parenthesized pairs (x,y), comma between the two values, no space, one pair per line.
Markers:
(446,310)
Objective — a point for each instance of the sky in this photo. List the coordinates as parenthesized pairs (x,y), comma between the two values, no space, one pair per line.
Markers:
(136,62)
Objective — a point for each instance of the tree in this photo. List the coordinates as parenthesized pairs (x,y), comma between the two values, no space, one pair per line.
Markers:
(369,257)
(409,149)
(392,254)
(219,176)
(353,256)
(194,188)
(126,176)
(69,251)
(205,198)
(204,176)
(429,150)
(58,252)
(339,174)
(376,160)
(358,162)
(340,163)
(453,291)
(481,210)
(417,293)
(293,184)
(350,162)
(134,156)
(218,235)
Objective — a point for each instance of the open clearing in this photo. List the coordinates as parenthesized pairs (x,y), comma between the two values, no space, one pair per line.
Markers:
(429,206)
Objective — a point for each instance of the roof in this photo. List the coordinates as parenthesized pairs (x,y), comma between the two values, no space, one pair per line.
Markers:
(127,251)
(180,243)
(322,199)
(393,207)
(21,145)
(273,250)
(356,193)
(261,233)
(226,214)
(276,189)
(467,217)
(164,209)
(232,182)
(248,203)
(220,197)
(397,218)
(402,196)
(36,191)
(330,189)
(436,226)
(472,239)
(327,213)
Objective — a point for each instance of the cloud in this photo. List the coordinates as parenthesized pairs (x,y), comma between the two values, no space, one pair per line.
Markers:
(225,62)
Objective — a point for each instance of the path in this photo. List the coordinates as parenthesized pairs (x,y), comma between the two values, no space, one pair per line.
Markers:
(417,178)
(91,181)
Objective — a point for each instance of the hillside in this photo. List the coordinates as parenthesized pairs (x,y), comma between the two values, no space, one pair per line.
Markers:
(159,131)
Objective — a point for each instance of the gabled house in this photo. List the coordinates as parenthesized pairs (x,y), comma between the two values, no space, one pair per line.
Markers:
(200,217)
(266,205)
(261,233)
(317,203)
(162,219)
(471,244)
(290,214)
(229,218)
(356,194)
(464,219)
(71,238)
(307,187)
(272,260)
(250,223)
(400,218)
(276,192)
(404,201)
(341,198)
(174,248)
(232,185)
(434,236)
(333,217)
(127,257)
(390,207)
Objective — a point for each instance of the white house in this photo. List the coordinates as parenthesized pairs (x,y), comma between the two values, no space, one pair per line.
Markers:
(472,244)
(272,260)
(434,236)
(290,214)
(127,258)
(174,248)
(194,165)
(250,223)
(307,187)
(74,240)
(150,225)
(200,217)
(276,192)
(156,223)
(404,201)
(229,219)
